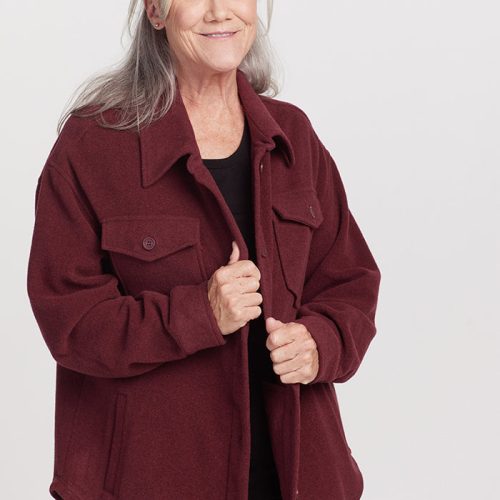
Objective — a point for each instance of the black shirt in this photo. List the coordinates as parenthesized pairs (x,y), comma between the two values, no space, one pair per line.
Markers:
(233,176)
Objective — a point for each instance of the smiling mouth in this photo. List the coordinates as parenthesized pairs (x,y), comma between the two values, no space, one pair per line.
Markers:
(221,34)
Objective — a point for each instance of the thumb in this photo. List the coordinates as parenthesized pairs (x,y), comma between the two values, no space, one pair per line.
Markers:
(273,323)
(235,253)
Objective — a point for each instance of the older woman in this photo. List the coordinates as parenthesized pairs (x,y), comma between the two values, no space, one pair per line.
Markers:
(198,276)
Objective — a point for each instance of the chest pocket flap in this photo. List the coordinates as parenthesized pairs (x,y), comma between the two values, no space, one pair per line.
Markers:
(300,206)
(149,237)
(154,252)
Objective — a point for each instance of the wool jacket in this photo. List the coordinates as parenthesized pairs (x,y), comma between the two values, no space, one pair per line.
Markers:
(152,400)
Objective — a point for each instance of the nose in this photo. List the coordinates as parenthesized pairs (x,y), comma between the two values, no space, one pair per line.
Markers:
(218,10)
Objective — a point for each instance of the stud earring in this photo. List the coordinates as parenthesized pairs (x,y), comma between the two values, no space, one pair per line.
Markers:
(157,25)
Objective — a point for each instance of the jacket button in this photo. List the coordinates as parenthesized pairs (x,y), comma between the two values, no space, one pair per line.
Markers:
(263,250)
(148,243)
(312,211)
(261,167)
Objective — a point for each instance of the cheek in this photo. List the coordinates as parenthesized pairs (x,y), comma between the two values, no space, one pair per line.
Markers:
(249,19)
(248,10)
(182,42)
(181,17)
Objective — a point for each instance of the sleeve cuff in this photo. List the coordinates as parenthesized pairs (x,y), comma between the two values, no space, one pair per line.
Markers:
(192,320)
(328,344)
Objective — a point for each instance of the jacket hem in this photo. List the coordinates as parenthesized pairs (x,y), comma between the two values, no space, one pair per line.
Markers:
(60,488)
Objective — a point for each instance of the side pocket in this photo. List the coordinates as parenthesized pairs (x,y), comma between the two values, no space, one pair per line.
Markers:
(336,412)
(116,442)
(65,395)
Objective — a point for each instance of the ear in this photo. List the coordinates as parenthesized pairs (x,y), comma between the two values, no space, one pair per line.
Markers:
(153,10)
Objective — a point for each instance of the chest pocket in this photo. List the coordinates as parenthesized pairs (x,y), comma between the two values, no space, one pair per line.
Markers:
(295,216)
(153,252)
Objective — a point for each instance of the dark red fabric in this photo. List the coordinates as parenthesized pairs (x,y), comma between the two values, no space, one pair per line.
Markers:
(152,401)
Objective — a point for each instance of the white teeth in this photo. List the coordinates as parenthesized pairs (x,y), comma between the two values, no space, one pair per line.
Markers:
(219,35)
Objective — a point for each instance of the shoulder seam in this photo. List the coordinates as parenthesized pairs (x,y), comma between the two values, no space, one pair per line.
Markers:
(287,104)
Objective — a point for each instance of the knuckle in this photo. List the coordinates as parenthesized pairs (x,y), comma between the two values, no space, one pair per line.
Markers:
(258,312)
(252,267)
(249,265)
(237,315)
(232,301)
(218,275)
(311,344)
(302,328)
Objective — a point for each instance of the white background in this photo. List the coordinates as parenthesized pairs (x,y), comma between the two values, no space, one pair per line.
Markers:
(405,95)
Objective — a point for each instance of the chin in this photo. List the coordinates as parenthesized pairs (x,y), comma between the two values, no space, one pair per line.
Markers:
(225,66)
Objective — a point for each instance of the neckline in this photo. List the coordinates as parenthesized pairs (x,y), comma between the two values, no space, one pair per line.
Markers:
(235,152)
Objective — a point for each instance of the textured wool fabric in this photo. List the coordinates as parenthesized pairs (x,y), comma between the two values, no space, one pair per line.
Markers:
(152,400)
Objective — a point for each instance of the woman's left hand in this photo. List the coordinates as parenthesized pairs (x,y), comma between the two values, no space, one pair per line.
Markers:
(293,351)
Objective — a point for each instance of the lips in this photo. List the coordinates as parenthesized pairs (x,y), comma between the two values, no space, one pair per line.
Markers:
(219,34)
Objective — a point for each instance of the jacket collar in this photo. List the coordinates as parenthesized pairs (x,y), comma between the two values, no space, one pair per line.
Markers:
(170,137)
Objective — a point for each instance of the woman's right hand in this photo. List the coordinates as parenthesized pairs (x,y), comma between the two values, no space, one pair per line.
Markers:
(232,293)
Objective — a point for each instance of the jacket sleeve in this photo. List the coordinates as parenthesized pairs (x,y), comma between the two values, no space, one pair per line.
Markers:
(88,325)
(342,281)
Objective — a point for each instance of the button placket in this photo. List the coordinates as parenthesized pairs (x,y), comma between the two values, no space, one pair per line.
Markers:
(263,252)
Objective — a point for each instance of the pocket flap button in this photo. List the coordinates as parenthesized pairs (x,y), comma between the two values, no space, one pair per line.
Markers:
(148,243)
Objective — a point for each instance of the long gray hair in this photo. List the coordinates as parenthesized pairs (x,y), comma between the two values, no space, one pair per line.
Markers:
(142,86)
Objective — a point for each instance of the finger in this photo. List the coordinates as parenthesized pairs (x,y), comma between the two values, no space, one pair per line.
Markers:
(289,365)
(247,306)
(243,268)
(277,336)
(245,284)
(286,352)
